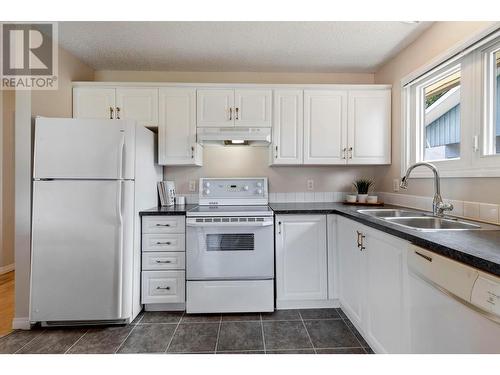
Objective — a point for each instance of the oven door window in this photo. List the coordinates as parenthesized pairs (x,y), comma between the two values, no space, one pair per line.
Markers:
(230,242)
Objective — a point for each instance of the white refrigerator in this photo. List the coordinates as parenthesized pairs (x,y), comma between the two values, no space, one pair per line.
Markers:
(90,180)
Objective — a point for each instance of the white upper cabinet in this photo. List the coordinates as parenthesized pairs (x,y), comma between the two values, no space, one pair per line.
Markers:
(301,259)
(215,108)
(177,127)
(369,130)
(288,127)
(229,107)
(252,108)
(130,103)
(140,104)
(325,126)
(94,102)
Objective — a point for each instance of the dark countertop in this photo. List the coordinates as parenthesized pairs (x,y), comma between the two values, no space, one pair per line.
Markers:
(477,248)
(168,210)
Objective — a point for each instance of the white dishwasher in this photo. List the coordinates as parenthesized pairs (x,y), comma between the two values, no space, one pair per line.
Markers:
(454,308)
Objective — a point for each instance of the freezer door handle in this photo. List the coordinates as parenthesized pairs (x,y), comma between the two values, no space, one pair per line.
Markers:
(121,156)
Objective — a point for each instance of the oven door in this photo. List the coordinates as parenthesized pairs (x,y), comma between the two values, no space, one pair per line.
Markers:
(229,249)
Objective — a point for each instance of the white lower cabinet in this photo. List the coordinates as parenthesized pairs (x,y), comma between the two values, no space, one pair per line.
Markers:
(301,261)
(163,262)
(350,267)
(163,287)
(373,284)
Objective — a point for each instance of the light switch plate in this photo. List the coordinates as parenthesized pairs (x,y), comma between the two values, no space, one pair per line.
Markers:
(192,185)
(310,184)
(395,184)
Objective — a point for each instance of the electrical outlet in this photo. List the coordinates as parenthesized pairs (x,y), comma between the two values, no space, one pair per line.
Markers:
(395,184)
(192,185)
(310,184)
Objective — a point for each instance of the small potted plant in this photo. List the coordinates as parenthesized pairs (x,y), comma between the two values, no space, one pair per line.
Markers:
(362,186)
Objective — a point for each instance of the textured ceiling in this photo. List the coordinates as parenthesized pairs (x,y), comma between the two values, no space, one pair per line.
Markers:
(238,46)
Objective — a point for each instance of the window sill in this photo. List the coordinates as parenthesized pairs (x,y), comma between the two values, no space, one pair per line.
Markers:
(465,173)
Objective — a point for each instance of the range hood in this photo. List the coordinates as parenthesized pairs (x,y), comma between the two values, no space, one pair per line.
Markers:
(234,136)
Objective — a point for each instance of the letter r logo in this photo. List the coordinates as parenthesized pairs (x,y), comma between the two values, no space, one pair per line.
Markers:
(27,49)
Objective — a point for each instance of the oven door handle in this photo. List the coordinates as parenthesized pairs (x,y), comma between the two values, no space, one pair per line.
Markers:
(235,224)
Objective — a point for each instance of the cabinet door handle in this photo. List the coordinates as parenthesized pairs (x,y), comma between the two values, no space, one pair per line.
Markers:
(237,111)
(350,153)
(163,261)
(344,152)
(162,225)
(427,258)
(276,147)
(230,114)
(361,245)
(163,288)
(111,113)
(279,227)
(163,243)
(192,152)
(117,113)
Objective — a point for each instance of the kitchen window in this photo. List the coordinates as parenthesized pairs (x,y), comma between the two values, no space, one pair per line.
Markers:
(451,114)
(491,58)
(440,122)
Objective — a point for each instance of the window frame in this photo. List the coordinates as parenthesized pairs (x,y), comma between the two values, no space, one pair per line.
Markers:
(475,108)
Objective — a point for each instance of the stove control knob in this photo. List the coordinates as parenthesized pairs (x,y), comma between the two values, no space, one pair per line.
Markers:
(207,191)
(259,191)
(245,187)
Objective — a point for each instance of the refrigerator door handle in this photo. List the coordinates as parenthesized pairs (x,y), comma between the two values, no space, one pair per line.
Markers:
(121,150)
(120,246)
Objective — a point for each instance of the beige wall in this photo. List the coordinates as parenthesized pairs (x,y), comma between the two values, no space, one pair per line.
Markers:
(232,77)
(436,40)
(58,103)
(253,161)
(7,179)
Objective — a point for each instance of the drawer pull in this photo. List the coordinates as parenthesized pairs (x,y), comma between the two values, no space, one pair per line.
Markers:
(163,288)
(162,225)
(424,256)
(163,243)
(163,261)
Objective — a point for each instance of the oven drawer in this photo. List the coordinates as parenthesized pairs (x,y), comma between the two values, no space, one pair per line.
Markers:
(163,224)
(163,242)
(230,296)
(163,287)
(163,261)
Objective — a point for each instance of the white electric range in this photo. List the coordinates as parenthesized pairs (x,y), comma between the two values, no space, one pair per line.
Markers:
(230,247)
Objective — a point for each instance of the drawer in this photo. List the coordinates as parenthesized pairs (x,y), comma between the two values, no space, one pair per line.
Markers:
(163,287)
(163,224)
(163,261)
(163,242)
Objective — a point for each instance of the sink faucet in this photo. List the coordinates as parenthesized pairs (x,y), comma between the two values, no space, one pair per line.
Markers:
(438,206)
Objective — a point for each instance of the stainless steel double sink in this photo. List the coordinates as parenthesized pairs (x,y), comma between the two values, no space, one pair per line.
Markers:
(419,220)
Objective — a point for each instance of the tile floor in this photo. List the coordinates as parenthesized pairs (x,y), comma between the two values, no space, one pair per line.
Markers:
(320,331)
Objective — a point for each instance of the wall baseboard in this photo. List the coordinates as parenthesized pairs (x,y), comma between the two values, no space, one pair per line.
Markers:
(7,268)
(21,323)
